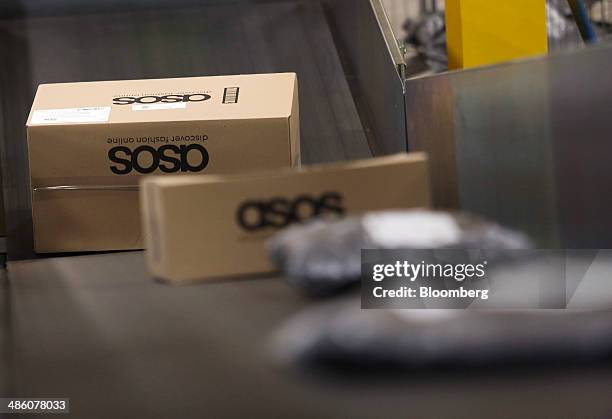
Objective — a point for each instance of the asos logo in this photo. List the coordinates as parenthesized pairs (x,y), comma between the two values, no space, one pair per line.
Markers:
(167,158)
(146,100)
(280,212)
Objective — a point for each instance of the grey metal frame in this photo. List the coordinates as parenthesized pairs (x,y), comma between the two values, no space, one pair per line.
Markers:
(526,143)
(375,66)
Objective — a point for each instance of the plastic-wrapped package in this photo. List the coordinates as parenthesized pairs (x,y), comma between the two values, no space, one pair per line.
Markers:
(324,257)
(340,334)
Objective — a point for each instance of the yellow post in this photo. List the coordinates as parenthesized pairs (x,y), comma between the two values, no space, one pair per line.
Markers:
(484,32)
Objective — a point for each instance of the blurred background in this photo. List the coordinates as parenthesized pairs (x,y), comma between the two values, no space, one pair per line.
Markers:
(415,22)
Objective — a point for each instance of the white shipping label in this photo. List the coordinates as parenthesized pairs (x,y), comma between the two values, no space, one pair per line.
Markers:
(159,106)
(71,115)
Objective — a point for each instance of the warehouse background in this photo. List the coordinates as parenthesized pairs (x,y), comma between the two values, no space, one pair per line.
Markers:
(399,11)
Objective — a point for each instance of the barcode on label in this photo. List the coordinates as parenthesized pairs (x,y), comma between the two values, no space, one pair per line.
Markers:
(230,95)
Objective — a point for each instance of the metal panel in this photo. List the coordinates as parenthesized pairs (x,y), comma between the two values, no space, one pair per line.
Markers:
(373,64)
(526,144)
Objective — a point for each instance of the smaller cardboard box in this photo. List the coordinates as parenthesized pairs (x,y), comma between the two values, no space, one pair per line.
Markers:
(199,227)
(90,144)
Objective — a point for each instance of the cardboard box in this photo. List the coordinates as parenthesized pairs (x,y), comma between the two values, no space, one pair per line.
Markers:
(199,227)
(485,32)
(91,143)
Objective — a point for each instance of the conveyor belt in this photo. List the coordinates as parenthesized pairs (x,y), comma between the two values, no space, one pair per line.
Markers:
(99,330)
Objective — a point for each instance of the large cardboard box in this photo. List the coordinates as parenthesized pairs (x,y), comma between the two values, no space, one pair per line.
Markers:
(199,227)
(91,143)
